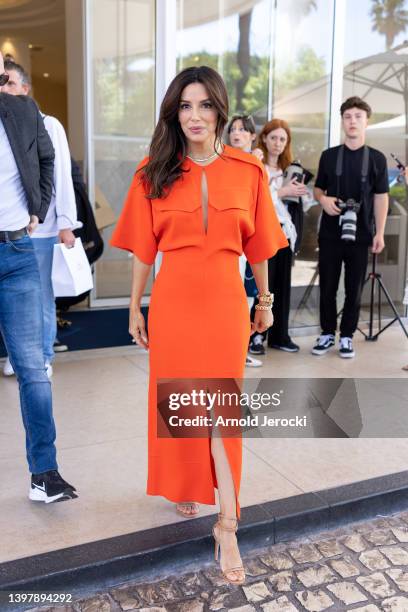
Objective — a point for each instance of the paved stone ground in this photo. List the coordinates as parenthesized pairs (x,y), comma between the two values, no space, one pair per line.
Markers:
(362,567)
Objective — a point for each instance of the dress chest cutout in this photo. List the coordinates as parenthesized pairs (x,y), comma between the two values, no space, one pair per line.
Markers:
(204,200)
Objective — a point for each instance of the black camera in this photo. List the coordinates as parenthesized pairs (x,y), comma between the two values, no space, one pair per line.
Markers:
(348,218)
(296,171)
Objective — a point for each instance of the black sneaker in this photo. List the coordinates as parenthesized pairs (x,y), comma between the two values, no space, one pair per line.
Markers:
(59,347)
(289,347)
(256,346)
(50,487)
(323,344)
(346,348)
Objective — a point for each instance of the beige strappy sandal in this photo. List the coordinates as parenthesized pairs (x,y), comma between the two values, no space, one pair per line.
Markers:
(223,527)
(193,507)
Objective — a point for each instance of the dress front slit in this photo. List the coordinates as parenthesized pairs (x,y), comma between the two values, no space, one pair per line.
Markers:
(205,285)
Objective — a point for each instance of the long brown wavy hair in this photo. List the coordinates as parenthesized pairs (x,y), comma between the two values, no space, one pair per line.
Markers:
(286,157)
(169,146)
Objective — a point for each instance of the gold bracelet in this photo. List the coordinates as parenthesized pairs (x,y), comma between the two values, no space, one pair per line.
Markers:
(262,307)
(265,297)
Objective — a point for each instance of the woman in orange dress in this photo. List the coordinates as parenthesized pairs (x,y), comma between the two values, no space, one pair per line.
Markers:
(201,204)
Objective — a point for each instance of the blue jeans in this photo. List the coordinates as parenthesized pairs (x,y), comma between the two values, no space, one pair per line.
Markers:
(21,325)
(44,251)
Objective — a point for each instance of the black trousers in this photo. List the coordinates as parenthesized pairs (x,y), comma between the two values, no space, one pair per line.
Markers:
(279,278)
(332,255)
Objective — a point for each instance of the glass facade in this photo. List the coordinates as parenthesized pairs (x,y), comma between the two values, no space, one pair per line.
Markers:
(303,55)
(122,117)
(376,69)
(277,58)
(234,42)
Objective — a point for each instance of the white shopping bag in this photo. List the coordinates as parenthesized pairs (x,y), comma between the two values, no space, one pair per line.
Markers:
(71,272)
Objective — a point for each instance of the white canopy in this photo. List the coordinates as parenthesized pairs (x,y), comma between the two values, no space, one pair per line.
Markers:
(381,80)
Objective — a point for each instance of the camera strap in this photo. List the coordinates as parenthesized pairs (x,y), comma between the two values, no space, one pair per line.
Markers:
(364,170)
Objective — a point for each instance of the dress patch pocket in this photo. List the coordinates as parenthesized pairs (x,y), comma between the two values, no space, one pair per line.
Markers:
(225,199)
(176,204)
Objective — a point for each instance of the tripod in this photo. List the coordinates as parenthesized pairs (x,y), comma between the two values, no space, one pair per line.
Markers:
(375,279)
(308,291)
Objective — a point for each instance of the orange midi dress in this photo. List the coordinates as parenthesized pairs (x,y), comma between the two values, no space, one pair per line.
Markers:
(198,301)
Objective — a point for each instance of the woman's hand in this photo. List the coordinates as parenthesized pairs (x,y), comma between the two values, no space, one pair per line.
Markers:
(137,328)
(294,189)
(263,319)
(258,153)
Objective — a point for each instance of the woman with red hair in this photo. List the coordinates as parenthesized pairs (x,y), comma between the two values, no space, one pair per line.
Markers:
(274,149)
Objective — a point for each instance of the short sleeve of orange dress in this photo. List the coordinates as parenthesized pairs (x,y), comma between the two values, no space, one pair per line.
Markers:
(134,229)
(268,237)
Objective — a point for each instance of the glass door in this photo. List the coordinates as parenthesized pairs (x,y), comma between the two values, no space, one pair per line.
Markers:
(120,40)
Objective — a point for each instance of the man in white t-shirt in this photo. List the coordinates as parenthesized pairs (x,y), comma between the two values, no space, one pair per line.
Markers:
(61,218)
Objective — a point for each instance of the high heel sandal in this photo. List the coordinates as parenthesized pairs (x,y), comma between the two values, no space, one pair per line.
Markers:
(194,509)
(234,529)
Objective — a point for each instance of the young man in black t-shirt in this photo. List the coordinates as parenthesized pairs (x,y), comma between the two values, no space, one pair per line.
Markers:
(341,180)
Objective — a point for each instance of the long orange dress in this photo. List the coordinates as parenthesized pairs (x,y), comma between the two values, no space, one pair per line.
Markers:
(198,301)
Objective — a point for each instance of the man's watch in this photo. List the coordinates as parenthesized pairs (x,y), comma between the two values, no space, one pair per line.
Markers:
(3,78)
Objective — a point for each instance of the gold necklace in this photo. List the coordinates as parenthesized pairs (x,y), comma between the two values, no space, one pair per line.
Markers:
(204,159)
